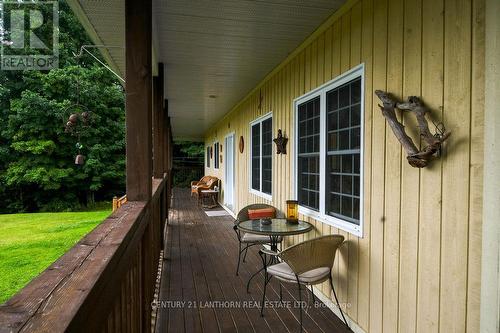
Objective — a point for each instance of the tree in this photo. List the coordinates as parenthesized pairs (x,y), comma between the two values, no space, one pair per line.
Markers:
(37,169)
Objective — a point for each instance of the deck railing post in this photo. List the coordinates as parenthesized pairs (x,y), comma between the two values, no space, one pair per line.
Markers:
(138,99)
(168,160)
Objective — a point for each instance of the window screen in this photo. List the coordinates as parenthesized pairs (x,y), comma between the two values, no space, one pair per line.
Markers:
(308,153)
(343,151)
(261,159)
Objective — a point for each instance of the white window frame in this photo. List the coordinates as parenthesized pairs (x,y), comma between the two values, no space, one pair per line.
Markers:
(357,230)
(250,189)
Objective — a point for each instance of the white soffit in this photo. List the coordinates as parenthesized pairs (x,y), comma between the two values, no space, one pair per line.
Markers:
(221,48)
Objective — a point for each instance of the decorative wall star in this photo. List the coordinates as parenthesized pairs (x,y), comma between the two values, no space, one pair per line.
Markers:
(280,142)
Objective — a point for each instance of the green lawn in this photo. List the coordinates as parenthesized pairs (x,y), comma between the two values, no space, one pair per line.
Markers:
(29,243)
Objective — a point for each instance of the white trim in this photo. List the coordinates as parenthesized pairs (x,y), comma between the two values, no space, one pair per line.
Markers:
(333,221)
(231,134)
(230,212)
(261,194)
(207,157)
(333,307)
(357,230)
(261,118)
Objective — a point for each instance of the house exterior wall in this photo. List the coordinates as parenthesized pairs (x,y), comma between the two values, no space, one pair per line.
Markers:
(417,266)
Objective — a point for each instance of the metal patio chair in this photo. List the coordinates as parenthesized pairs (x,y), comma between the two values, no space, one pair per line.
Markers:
(306,263)
(245,239)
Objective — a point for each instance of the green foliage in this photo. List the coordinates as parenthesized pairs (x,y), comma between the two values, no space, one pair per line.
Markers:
(188,162)
(190,148)
(183,176)
(37,169)
(31,242)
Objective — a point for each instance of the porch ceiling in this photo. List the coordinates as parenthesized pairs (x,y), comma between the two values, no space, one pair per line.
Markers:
(217,48)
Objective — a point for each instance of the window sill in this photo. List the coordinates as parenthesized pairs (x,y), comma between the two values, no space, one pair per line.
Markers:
(262,194)
(351,228)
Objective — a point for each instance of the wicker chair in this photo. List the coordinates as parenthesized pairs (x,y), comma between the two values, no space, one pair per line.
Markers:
(205,183)
(246,239)
(306,263)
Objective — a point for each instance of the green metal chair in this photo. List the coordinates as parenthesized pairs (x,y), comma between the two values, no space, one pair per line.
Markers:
(306,263)
(246,239)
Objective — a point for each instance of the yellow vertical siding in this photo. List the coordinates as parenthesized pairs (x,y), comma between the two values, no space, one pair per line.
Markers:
(417,268)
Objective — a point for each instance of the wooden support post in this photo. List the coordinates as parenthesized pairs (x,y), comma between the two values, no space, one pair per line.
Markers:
(166,138)
(138,99)
(161,111)
(158,125)
(157,159)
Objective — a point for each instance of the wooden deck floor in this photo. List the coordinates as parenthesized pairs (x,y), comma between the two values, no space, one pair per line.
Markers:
(199,268)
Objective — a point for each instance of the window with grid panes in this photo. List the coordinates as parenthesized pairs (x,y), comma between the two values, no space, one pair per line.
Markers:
(216,155)
(329,152)
(308,153)
(261,155)
(343,148)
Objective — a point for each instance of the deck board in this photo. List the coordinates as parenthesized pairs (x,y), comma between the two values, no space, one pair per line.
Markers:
(200,265)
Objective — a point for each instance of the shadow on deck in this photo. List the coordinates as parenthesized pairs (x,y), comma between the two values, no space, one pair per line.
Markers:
(200,291)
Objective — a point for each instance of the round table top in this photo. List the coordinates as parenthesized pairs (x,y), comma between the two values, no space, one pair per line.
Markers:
(278,227)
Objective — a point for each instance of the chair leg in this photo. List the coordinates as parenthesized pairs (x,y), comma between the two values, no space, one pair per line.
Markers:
(245,255)
(239,258)
(300,303)
(338,303)
(267,278)
(266,281)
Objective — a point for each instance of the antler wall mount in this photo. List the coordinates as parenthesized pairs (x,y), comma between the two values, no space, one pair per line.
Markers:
(417,158)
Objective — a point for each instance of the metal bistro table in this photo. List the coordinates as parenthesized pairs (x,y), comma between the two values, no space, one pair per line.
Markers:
(208,198)
(279,227)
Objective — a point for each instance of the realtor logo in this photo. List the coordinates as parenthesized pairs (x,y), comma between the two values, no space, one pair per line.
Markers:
(29,33)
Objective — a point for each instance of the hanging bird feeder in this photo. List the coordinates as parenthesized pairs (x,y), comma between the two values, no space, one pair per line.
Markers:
(78,121)
(79,159)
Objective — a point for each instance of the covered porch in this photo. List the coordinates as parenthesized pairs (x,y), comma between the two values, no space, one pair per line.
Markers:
(179,81)
(414,257)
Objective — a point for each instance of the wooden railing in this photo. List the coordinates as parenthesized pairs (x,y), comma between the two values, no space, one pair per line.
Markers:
(118,202)
(105,283)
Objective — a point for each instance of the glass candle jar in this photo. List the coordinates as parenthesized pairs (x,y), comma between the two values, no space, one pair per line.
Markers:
(292,209)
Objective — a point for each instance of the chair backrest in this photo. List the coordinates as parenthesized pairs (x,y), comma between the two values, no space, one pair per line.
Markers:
(205,179)
(212,182)
(243,213)
(313,253)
